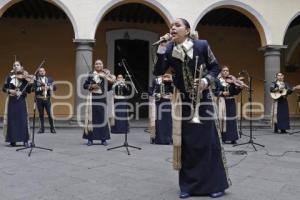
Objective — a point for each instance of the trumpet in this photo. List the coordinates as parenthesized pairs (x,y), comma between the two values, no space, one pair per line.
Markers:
(196,92)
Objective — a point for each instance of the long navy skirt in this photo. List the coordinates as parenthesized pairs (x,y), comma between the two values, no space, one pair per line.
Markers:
(121,117)
(283,119)
(99,119)
(203,171)
(17,121)
(163,122)
(231,133)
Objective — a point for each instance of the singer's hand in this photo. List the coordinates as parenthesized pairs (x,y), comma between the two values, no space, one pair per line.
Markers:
(166,37)
(202,85)
(94,86)
(13,92)
(225,93)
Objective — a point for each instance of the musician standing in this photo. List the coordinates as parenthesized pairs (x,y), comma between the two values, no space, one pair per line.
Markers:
(162,91)
(43,90)
(227,106)
(198,152)
(96,116)
(280,108)
(120,93)
(16,120)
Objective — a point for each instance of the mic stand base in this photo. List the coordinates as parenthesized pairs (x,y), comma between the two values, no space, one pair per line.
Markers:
(250,142)
(126,145)
(31,147)
(32,144)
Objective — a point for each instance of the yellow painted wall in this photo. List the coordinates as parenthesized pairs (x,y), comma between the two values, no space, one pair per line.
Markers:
(35,40)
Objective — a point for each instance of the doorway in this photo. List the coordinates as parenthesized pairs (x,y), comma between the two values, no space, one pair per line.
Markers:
(135,55)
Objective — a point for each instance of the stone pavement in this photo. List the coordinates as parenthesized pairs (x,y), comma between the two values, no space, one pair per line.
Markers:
(74,171)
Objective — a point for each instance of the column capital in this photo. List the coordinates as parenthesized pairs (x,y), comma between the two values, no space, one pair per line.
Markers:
(272,47)
(84,44)
(84,41)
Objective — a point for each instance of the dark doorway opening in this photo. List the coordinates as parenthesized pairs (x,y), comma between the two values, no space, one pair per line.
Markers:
(135,54)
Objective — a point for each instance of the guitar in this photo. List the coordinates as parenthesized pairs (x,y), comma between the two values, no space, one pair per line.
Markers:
(282,92)
(278,94)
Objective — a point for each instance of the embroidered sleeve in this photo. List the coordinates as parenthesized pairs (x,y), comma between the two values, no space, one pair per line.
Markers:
(211,57)
(273,87)
(212,65)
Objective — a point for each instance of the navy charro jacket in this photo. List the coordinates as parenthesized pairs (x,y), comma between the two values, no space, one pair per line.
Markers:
(205,56)
(38,86)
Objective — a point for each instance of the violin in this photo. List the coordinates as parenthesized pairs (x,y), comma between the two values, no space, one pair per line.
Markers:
(24,75)
(297,88)
(105,73)
(236,81)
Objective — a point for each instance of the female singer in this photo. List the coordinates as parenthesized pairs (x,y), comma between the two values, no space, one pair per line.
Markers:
(120,90)
(280,108)
(96,123)
(198,154)
(15,123)
(227,106)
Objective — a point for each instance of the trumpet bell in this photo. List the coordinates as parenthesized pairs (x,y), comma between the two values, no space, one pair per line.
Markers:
(196,120)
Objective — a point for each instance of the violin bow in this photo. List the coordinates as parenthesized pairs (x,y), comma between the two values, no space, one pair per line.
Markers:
(42,63)
(87,64)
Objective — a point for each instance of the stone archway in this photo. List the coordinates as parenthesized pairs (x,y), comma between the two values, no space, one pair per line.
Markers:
(258,20)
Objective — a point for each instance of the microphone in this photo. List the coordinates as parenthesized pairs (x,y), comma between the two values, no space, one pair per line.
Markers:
(164,38)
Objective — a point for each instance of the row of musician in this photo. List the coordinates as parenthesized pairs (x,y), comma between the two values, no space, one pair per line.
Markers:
(19,82)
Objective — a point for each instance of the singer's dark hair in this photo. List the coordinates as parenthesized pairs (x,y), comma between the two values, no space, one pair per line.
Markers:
(185,22)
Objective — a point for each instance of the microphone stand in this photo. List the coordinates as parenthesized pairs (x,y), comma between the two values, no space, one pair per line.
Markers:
(126,145)
(250,121)
(129,76)
(241,117)
(32,144)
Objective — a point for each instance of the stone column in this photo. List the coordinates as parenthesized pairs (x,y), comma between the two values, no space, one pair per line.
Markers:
(83,65)
(272,54)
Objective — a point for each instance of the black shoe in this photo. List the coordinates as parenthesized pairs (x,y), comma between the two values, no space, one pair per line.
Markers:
(26,144)
(283,131)
(233,142)
(90,143)
(13,144)
(41,130)
(104,143)
(152,141)
(216,194)
(184,195)
(52,130)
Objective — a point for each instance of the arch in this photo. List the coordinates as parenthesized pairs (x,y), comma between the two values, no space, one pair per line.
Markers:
(287,26)
(154,4)
(4,5)
(258,20)
(112,36)
(292,49)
